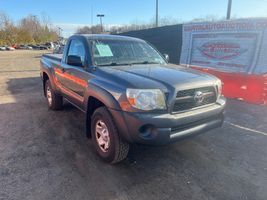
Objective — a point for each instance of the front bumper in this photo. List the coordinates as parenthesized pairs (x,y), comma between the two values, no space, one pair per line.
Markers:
(160,129)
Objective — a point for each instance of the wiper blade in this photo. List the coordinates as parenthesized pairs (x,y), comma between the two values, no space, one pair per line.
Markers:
(113,64)
(144,63)
(134,63)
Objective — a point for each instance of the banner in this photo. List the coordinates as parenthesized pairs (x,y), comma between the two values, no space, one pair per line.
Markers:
(229,46)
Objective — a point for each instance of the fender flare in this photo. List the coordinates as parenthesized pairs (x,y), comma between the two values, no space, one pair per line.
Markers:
(113,106)
(102,95)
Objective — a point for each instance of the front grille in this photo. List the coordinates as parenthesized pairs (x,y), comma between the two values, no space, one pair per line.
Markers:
(188,99)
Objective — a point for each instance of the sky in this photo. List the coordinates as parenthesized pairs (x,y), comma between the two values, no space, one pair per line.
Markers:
(71,14)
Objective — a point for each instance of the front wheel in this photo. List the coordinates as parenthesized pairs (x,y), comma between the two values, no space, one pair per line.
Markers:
(106,139)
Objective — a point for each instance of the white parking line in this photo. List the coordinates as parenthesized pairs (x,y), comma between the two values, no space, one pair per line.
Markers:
(247,129)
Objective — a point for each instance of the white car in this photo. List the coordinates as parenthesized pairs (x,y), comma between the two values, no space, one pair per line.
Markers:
(2,48)
(10,48)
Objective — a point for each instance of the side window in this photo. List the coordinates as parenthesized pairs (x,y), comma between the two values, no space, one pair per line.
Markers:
(77,49)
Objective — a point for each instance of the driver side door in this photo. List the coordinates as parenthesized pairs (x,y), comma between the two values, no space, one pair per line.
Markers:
(73,77)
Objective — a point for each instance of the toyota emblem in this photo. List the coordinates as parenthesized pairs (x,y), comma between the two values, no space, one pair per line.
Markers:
(198,97)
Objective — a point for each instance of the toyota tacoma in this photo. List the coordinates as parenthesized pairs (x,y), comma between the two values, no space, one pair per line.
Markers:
(130,93)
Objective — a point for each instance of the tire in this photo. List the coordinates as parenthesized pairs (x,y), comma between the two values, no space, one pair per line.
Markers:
(117,149)
(54,101)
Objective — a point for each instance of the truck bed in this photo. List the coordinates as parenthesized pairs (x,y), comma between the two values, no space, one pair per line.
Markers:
(56,57)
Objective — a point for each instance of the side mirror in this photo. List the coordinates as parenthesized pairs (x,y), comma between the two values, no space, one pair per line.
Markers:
(74,61)
(167,58)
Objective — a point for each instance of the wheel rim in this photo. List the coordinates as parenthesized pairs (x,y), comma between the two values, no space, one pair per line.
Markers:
(102,135)
(49,95)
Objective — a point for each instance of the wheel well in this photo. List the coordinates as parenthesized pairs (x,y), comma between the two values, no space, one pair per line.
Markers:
(93,104)
(45,78)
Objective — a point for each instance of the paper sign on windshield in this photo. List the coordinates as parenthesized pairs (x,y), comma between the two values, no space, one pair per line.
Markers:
(104,50)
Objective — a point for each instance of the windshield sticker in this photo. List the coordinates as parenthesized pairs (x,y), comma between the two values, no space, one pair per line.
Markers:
(104,50)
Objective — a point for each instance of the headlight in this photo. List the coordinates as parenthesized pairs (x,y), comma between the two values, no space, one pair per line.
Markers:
(146,99)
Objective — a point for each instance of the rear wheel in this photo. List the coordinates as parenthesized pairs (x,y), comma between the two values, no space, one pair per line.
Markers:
(54,101)
(106,139)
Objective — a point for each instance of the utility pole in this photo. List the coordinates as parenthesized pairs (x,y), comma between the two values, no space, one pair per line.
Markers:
(92,15)
(101,24)
(59,31)
(35,24)
(229,7)
(157,13)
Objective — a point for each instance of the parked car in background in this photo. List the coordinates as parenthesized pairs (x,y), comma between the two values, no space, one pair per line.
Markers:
(43,47)
(2,48)
(9,48)
(59,49)
(50,45)
(17,47)
(38,47)
(24,47)
(28,47)
(35,47)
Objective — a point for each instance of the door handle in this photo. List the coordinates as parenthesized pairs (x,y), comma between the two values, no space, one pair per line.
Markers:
(62,70)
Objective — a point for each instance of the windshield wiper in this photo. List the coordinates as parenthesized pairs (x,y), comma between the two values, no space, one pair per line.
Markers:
(144,63)
(134,63)
(113,64)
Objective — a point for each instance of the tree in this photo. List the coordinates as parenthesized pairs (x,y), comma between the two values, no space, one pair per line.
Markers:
(139,25)
(28,30)
(207,18)
(4,20)
(8,32)
(39,32)
(84,30)
(89,30)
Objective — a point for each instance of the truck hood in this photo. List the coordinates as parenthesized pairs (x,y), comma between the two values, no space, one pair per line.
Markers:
(169,76)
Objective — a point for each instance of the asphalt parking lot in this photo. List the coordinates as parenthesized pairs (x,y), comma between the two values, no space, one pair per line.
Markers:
(45,155)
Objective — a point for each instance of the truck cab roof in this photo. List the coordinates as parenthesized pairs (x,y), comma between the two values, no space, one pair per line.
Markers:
(106,37)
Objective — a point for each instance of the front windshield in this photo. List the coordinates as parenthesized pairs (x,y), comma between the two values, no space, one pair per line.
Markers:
(124,52)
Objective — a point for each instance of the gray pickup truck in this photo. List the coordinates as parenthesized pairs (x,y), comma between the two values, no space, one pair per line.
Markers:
(129,93)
